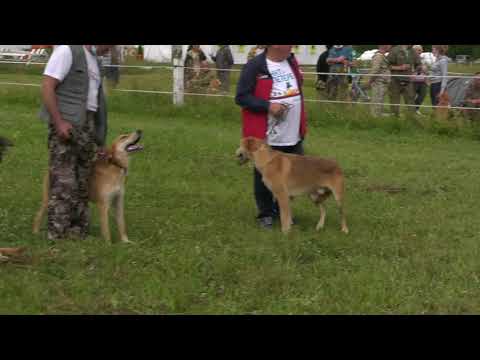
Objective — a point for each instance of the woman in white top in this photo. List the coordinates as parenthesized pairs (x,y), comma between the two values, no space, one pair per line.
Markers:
(439,72)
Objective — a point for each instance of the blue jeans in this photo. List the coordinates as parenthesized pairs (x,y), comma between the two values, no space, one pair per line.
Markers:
(434,92)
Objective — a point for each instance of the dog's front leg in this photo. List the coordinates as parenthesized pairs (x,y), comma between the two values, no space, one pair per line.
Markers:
(103,207)
(285,214)
(120,217)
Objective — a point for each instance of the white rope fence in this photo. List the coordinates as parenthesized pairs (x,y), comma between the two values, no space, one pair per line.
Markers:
(231,96)
(171,67)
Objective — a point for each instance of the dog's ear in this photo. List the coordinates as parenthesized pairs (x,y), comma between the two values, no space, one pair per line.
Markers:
(251,144)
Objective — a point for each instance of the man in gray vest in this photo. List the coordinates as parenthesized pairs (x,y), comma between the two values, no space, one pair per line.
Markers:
(75,109)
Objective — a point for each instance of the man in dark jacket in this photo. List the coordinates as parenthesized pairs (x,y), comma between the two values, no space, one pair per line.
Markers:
(223,61)
(322,67)
(270,94)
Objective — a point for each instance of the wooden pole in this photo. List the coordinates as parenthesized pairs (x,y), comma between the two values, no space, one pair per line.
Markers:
(177,75)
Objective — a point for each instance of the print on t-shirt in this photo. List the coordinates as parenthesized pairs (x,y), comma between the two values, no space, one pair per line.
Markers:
(284,130)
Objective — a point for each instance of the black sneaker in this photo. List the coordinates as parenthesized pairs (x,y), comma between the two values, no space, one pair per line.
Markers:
(265,222)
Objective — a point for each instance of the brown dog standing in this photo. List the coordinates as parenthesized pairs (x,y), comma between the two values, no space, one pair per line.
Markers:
(107,185)
(290,175)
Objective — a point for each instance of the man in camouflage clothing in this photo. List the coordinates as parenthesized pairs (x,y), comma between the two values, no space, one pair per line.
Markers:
(339,58)
(223,61)
(472,98)
(74,107)
(403,60)
(379,84)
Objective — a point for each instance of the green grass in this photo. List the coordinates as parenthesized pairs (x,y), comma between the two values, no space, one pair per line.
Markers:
(190,210)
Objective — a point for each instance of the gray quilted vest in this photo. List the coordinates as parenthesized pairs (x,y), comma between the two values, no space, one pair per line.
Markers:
(72,95)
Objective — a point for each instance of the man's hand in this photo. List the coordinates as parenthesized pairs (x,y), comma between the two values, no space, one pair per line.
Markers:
(63,129)
(277,109)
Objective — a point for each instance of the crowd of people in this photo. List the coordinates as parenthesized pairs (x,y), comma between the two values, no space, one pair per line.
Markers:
(395,71)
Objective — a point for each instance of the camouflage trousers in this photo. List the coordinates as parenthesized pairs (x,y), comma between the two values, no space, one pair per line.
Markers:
(70,166)
(402,88)
(337,87)
(379,89)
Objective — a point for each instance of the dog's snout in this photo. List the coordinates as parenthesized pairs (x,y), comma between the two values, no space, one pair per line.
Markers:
(139,132)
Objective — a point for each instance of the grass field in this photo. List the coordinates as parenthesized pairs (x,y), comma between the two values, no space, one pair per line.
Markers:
(190,211)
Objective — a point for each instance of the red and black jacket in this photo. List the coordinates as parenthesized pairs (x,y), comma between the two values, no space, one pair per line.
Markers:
(253,95)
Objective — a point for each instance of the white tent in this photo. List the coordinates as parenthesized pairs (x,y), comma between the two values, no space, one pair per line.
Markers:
(367,55)
(306,54)
(16,47)
(427,58)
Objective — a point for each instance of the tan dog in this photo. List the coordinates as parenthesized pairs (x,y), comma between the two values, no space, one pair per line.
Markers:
(10,252)
(107,184)
(444,101)
(290,175)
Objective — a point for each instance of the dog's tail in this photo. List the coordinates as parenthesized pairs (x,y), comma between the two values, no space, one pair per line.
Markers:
(43,207)
(338,190)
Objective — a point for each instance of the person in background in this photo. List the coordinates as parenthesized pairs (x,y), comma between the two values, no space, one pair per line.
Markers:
(224,61)
(111,73)
(403,61)
(472,98)
(419,81)
(379,84)
(439,71)
(339,58)
(193,63)
(322,67)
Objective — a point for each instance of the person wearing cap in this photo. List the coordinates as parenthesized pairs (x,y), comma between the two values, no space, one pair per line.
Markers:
(75,109)
(339,58)
(403,60)
(269,92)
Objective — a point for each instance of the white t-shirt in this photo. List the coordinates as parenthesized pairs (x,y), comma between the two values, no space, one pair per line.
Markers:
(284,131)
(60,63)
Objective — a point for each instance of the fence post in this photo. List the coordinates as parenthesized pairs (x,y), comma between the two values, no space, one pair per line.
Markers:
(177,75)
